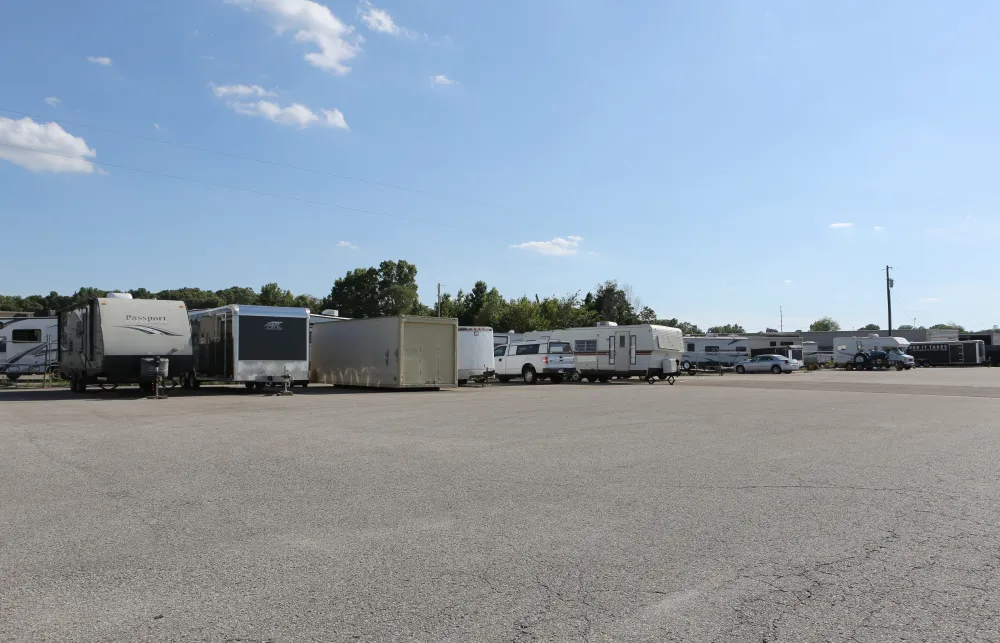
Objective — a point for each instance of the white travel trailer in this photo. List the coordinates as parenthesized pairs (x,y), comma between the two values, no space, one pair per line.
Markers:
(608,350)
(714,351)
(28,345)
(256,345)
(387,352)
(475,354)
(115,340)
(502,339)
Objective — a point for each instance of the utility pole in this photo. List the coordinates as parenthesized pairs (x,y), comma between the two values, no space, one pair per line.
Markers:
(439,300)
(888,295)
(781,312)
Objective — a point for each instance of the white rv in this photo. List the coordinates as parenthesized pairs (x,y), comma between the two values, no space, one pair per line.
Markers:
(849,350)
(608,350)
(28,345)
(714,351)
(112,340)
(475,354)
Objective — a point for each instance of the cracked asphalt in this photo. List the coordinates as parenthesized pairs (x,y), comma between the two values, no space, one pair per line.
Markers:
(810,507)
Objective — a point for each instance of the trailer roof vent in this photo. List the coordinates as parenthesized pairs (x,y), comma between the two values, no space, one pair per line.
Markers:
(606,323)
(119,295)
(873,335)
(331,312)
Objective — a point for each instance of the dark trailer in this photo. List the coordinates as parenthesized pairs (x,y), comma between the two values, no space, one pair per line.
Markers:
(948,353)
(991,341)
(256,345)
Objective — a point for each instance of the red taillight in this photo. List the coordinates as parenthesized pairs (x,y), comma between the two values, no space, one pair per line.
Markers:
(545,360)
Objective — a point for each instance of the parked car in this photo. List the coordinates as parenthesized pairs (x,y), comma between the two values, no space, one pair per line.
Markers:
(776,364)
(534,360)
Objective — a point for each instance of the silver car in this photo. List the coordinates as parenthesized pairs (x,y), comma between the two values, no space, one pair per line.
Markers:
(776,364)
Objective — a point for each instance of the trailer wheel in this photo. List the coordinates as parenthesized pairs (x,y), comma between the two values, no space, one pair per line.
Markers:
(591,379)
(503,379)
(687,366)
(81,383)
(603,379)
(13,377)
(249,385)
(575,376)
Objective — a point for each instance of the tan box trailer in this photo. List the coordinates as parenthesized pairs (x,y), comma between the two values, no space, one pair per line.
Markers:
(386,352)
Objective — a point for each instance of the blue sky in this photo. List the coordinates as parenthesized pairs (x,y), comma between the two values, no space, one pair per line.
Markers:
(702,152)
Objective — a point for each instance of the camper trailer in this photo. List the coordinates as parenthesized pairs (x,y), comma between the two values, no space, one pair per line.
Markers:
(114,340)
(714,351)
(28,345)
(387,352)
(608,350)
(475,354)
(256,345)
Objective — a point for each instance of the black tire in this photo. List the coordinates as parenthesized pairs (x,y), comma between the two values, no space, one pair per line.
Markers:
(72,382)
(899,367)
(776,369)
(194,382)
(591,378)
(556,379)
(463,382)
(662,376)
(575,376)
(13,377)
(603,379)
(529,375)
(687,365)
(880,362)
(249,385)
(503,379)
(741,369)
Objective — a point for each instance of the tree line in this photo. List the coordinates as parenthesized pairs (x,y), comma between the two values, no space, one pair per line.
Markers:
(391,289)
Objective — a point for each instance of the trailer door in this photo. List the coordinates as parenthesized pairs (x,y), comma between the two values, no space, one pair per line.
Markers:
(956,353)
(623,348)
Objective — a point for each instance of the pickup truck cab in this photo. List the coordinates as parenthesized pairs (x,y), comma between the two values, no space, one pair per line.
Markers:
(534,360)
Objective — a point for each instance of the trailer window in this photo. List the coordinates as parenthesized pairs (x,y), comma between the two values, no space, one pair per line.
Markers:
(621,341)
(711,349)
(663,341)
(741,349)
(611,349)
(631,348)
(33,335)
(586,346)
(690,348)
(527,349)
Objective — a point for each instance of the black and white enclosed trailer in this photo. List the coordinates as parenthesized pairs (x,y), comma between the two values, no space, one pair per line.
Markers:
(948,353)
(991,344)
(116,340)
(256,345)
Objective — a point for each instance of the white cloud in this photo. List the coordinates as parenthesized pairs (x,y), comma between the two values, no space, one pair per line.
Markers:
(788,281)
(441,79)
(240,91)
(313,23)
(99,60)
(928,300)
(380,21)
(346,244)
(836,226)
(557,247)
(156,126)
(52,101)
(295,114)
(65,152)
(878,228)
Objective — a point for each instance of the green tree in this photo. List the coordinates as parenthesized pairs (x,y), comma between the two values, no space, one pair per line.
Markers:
(685,327)
(949,326)
(728,329)
(390,289)
(905,327)
(521,315)
(870,327)
(493,311)
(272,295)
(824,324)
(647,315)
(238,295)
(613,303)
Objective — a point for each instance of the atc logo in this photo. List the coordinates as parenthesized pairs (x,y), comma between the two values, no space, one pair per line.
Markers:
(272,325)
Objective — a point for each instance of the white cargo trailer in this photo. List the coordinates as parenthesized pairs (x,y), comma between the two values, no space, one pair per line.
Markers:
(475,354)
(386,352)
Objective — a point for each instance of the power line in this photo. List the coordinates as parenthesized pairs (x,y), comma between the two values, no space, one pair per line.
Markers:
(247,190)
(242,157)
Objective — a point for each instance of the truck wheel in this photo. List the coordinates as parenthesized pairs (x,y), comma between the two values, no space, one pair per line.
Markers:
(776,369)
(503,379)
(741,369)
(556,379)
(529,374)
(575,376)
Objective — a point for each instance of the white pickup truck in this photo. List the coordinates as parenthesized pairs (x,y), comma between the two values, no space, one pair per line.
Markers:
(534,360)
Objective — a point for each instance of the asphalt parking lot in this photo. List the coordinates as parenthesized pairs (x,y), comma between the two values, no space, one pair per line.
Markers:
(824,506)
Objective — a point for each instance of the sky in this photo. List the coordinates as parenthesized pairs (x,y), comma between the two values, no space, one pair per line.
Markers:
(728,160)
